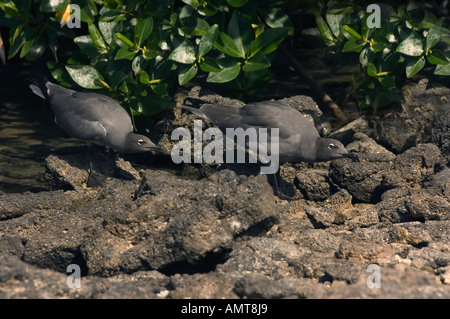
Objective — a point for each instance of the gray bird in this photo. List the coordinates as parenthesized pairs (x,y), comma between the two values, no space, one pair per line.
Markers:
(299,140)
(93,117)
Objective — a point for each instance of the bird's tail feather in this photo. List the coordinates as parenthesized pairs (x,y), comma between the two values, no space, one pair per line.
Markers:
(39,85)
(193,110)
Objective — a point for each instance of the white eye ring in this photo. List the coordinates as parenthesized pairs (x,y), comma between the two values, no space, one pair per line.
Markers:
(140,142)
(331,145)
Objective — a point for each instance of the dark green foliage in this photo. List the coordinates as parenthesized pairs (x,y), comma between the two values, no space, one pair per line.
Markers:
(407,39)
(139,51)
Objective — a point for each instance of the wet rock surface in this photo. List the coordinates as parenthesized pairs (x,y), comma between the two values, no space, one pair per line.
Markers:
(189,231)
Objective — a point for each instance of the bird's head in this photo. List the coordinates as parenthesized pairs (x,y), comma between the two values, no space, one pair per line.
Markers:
(137,143)
(328,149)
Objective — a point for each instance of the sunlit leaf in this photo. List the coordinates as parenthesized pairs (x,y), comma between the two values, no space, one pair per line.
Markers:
(411,46)
(183,53)
(85,76)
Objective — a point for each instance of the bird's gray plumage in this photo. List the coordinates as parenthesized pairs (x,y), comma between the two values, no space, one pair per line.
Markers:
(93,118)
(299,140)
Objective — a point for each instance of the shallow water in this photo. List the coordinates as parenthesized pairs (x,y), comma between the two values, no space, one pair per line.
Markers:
(28,133)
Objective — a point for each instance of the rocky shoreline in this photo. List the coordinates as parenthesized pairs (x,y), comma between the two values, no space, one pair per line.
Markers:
(208,232)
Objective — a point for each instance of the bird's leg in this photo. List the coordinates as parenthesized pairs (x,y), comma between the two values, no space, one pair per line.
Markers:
(276,188)
(142,186)
(92,180)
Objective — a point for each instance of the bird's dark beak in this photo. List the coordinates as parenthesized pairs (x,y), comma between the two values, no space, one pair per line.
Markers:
(352,156)
(159,149)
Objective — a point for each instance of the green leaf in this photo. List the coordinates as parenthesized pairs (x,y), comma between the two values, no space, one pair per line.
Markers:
(206,8)
(225,75)
(351,32)
(11,9)
(388,81)
(143,77)
(209,65)
(371,70)
(240,30)
(160,89)
(269,40)
(86,45)
(85,76)
(88,10)
(152,50)
(237,3)
(379,43)
(59,73)
(96,36)
(207,41)
(186,73)
(200,27)
(124,40)
(335,21)
(18,40)
(38,47)
(437,57)
(324,30)
(108,30)
(413,66)
(183,53)
(411,46)
(29,40)
(353,46)
(428,20)
(112,17)
(434,36)
(442,69)
(112,4)
(143,30)
(257,62)
(335,8)
(276,18)
(225,44)
(126,53)
(154,104)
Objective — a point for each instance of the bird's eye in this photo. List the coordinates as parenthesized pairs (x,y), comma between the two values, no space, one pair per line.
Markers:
(140,142)
(330,146)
